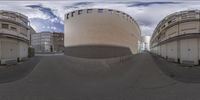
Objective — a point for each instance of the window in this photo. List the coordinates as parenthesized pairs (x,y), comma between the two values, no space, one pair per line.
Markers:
(67,16)
(24,21)
(188,15)
(89,11)
(110,10)
(118,12)
(80,12)
(4,14)
(124,15)
(100,10)
(5,26)
(192,11)
(127,16)
(12,16)
(13,28)
(73,13)
(169,22)
(163,27)
(130,18)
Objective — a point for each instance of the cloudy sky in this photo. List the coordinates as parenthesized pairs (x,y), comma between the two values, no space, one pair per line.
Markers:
(49,15)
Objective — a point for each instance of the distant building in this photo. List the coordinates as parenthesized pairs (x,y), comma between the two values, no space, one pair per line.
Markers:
(14,36)
(58,42)
(32,31)
(48,42)
(42,42)
(145,45)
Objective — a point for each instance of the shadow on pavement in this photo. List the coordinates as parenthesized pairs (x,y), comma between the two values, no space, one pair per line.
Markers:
(178,72)
(16,72)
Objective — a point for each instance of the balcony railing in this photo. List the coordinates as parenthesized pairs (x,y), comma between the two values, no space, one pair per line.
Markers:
(16,20)
(13,34)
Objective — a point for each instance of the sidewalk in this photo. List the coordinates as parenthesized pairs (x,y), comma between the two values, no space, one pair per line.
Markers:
(13,72)
(177,71)
(48,54)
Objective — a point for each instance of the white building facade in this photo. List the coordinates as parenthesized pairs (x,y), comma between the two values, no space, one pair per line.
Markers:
(102,30)
(176,37)
(42,42)
(14,36)
(145,44)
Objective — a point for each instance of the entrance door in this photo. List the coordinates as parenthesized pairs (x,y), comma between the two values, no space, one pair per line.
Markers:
(172,51)
(189,51)
(9,49)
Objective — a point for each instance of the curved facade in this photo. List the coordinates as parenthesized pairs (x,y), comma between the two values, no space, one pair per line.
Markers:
(101,28)
(14,36)
(176,37)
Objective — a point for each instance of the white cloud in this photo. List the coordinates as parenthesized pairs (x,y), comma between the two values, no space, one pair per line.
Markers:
(146,16)
(53,28)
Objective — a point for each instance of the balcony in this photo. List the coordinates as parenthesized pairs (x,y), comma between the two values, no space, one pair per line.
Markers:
(14,20)
(13,34)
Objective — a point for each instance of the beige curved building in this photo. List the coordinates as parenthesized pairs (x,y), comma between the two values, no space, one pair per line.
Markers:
(176,37)
(100,30)
(14,36)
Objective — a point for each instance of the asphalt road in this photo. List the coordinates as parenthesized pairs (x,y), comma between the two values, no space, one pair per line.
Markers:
(136,77)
